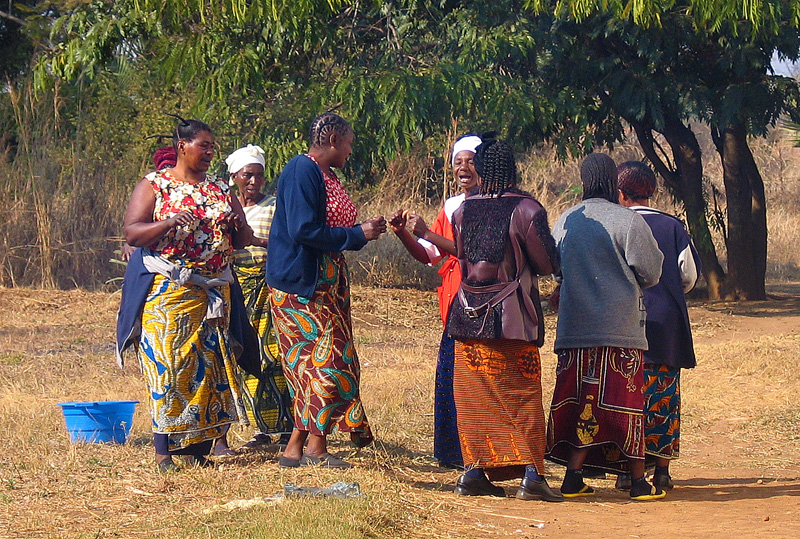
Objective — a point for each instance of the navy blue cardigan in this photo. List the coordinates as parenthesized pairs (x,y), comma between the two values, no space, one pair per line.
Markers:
(299,236)
(669,334)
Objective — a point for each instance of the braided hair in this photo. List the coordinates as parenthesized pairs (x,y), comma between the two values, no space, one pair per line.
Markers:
(187,130)
(599,177)
(494,162)
(326,125)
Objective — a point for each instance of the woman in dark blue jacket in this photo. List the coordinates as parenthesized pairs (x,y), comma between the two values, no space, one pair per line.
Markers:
(669,335)
(314,222)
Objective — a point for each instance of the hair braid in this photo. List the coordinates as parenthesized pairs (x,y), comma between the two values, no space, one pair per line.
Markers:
(494,162)
(326,125)
(187,129)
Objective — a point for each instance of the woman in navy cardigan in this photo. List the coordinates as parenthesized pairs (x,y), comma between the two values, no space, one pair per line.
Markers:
(314,222)
(669,334)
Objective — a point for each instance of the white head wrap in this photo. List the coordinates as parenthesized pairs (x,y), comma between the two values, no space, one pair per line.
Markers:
(249,155)
(469,143)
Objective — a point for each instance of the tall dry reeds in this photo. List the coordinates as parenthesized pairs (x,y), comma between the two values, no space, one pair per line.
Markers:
(64,187)
(65,181)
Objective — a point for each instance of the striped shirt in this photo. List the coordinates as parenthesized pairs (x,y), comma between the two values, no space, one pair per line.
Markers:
(259,217)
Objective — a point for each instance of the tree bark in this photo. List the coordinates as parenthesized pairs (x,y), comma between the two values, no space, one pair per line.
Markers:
(685,179)
(746,240)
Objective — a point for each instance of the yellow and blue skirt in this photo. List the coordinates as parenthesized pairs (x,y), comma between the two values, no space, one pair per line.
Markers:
(187,365)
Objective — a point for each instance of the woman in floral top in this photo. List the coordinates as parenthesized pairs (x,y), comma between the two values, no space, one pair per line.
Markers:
(188,224)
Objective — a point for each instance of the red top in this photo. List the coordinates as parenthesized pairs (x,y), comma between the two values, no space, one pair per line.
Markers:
(204,244)
(340,210)
(449,270)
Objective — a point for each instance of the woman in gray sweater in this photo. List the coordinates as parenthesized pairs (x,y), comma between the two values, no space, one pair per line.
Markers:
(608,254)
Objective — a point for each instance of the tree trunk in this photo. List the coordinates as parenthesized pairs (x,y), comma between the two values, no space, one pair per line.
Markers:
(685,180)
(746,240)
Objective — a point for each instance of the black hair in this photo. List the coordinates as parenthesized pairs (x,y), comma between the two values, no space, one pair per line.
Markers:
(187,129)
(599,177)
(494,162)
(324,126)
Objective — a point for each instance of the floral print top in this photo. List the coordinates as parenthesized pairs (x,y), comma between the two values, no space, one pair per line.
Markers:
(339,210)
(206,244)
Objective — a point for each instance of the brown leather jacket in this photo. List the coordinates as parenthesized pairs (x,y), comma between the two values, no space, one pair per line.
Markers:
(527,250)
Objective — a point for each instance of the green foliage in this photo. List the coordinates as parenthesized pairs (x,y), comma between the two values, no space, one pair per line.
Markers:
(402,72)
(710,15)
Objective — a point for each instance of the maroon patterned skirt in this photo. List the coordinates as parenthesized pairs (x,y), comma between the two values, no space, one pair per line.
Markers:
(315,337)
(598,404)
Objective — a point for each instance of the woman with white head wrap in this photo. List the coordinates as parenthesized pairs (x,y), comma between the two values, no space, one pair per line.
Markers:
(430,246)
(266,397)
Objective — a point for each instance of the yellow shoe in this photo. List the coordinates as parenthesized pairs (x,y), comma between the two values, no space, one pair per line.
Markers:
(585,490)
(646,492)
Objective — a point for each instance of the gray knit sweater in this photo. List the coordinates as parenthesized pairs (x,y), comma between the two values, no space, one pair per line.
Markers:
(608,254)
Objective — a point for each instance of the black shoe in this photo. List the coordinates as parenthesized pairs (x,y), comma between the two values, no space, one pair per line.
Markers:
(167,466)
(257,441)
(537,490)
(593,473)
(326,461)
(623,482)
(198,461)
(467,486)
(286,462)
(663,481)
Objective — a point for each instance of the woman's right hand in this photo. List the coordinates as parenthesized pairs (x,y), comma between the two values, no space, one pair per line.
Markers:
(398,221)
(181,219)
(373,228)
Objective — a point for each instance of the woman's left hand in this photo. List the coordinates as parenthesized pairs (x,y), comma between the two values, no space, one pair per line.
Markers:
(233,221)
(416,225)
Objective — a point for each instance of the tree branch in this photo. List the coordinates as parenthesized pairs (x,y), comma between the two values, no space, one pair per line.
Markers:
(648,144)
(11,17)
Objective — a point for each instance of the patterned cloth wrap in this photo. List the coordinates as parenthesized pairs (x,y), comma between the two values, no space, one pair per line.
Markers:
(498,391)
(266,397)
(598,404)
(185,357)
(662,412)
(446,444)
(315,336)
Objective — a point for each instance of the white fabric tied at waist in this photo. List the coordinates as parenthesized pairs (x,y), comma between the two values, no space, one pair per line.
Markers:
(180,275)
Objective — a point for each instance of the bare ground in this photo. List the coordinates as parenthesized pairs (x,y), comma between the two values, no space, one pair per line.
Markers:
(739,472)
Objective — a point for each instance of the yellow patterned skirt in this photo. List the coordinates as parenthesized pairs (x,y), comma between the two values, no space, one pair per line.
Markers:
(266,396)
(187,365)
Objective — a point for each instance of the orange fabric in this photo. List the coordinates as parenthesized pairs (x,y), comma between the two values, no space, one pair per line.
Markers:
(450,270)
(498,392)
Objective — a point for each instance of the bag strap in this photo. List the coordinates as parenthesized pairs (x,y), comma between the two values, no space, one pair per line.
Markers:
(475,312)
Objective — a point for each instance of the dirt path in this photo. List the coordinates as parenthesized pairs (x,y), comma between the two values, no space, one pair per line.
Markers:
(725,484)
(738,475)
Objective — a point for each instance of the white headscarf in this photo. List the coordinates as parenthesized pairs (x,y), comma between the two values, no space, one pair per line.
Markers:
(468,143)
(249,155)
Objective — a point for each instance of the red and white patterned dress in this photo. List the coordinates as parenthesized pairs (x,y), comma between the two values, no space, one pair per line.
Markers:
(339,210)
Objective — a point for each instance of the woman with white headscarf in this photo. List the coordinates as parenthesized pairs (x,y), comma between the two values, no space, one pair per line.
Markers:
(430,246)
(266,397)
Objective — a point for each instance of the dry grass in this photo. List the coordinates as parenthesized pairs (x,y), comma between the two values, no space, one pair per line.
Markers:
(57,347)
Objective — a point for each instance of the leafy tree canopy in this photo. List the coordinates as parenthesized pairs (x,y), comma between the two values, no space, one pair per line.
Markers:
(710,15)
(403,72)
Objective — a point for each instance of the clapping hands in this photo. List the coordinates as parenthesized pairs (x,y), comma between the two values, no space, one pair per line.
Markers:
(374,227)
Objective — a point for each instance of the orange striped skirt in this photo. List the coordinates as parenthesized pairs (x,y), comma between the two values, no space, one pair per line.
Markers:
(497,387)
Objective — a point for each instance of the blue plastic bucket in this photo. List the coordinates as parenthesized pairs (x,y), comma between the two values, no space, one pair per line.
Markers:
(98,422)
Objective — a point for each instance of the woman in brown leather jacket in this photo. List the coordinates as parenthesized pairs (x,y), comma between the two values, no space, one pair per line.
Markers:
(503,243)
